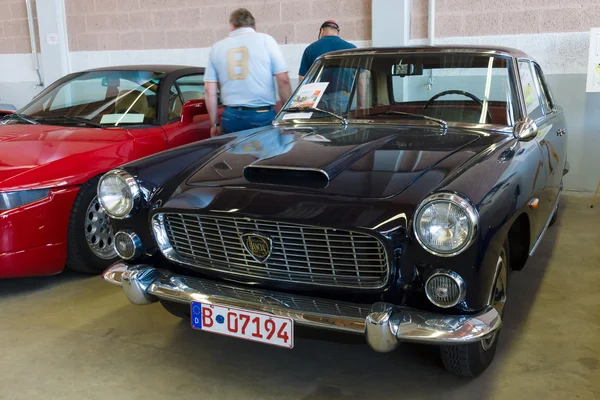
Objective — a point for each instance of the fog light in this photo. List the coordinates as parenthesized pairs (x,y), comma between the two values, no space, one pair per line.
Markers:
(445,288)
(128,245)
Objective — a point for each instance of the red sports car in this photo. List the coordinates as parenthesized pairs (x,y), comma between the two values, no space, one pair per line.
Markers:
(53,151)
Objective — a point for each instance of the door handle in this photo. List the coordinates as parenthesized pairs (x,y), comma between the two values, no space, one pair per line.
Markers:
(561,132)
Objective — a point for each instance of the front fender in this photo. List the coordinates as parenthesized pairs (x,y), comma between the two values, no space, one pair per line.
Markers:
(500,183)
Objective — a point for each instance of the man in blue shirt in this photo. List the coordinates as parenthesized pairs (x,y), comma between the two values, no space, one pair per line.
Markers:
(340,80)
(242,66)
(329,40)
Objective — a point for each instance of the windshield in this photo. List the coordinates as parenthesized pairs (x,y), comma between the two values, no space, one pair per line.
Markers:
(447,87)
(99,98)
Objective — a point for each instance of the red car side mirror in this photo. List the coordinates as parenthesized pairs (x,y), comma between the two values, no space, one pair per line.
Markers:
(191,109)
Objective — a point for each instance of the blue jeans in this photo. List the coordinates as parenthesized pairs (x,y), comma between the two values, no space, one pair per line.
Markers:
(235,120)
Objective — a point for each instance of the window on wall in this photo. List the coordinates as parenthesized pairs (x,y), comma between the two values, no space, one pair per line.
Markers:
(530,92)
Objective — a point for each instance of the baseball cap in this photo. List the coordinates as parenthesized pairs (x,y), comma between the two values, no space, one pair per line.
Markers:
(330,24)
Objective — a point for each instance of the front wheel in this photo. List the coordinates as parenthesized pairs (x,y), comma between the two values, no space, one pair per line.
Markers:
(472,359)
(90,241)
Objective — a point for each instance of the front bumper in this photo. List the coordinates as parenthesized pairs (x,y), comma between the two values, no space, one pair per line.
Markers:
(384,325)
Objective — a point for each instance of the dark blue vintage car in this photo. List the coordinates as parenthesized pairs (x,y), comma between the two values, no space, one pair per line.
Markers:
(391,198)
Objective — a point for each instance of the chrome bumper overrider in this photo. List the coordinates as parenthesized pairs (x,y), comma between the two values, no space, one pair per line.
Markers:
(384,325)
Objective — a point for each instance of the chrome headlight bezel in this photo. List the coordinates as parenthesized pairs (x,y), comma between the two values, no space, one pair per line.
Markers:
(458,280)
(136,244)
(133,186)
(459,201)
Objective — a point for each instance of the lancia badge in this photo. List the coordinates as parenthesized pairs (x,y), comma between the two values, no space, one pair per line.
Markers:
(258,246)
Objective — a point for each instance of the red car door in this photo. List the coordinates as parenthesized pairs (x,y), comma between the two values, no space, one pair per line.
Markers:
(179,132)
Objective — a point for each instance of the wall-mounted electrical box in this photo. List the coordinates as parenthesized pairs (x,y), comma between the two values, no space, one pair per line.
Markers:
(593,71)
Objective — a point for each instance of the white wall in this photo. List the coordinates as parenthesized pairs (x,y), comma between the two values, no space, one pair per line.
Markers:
(17,79)
(82,60)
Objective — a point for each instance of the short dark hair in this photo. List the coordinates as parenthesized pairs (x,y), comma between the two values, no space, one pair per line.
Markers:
(242,18)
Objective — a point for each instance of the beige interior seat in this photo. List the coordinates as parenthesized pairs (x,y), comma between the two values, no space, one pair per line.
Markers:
(132,102)
(191,95)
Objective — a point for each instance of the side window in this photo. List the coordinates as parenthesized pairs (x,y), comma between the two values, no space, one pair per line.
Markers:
(544,90)
(530,93)
(191,87)
(175,104)
(184,89)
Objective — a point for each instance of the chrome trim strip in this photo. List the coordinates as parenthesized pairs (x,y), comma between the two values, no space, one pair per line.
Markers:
(403,122)
(478,50)
(461,202)
(384,324)
(543,232)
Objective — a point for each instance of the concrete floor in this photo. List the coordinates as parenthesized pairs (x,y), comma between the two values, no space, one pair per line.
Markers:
(75,337)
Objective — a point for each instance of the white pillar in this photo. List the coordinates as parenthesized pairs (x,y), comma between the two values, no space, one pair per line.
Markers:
(391,23)
(54,46)
(431,22)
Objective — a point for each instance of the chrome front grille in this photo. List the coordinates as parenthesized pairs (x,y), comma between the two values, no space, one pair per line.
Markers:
(301,254)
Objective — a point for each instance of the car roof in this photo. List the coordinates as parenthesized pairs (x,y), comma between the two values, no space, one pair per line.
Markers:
(484,50)
(151,67)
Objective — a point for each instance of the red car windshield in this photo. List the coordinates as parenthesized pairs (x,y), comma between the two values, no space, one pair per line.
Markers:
(98,98)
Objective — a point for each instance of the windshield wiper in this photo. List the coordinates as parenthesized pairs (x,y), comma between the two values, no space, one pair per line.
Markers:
(79,120)
(442,123)
(312,109)
(22,117)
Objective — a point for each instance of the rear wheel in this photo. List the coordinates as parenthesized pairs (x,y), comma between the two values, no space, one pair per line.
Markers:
(472,359)
(90,246)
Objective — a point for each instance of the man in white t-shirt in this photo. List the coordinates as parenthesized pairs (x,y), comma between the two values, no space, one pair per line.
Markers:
(242,66)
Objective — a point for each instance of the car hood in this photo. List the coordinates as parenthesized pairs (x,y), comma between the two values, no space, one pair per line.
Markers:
(28,147)
(372,161)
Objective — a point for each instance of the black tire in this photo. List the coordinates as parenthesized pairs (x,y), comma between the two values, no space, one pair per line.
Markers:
(179,310)
(470,360)
(80,257)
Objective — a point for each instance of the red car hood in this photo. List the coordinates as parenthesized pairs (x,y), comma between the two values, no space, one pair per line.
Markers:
(24,148)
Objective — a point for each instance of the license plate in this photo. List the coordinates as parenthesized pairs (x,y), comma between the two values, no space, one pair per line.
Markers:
(243,324)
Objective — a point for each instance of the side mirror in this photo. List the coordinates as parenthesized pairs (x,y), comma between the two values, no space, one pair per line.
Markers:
(525,129)
(192,108)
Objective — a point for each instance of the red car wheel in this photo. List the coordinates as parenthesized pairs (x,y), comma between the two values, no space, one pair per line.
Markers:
(90,246)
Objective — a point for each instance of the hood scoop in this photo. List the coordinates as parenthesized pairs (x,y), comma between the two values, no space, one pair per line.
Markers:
(288,176)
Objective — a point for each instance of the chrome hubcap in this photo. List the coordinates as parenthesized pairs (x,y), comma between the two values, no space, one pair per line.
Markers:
(98,232)
(498,296)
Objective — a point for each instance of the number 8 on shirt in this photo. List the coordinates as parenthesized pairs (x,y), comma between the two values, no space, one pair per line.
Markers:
(237,63)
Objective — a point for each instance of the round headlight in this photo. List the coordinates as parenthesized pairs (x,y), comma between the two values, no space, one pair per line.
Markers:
(445,288)
(118,194)
(445,224)
(128,245)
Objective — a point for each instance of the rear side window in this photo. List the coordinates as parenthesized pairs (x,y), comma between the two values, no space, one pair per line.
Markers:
(191,87)
(530,92)
(544,90)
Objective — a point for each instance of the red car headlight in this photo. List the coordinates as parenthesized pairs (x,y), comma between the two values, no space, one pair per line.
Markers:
(10,200)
